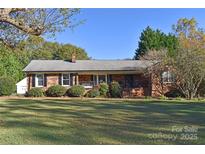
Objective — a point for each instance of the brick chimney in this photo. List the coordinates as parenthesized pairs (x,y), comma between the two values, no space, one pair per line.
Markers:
(73,59)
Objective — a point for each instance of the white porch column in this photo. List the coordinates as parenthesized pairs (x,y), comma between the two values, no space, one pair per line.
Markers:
(73,80)
(97,79)
(77,79)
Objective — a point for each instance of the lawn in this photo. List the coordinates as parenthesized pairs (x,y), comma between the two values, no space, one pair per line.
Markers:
(61,121)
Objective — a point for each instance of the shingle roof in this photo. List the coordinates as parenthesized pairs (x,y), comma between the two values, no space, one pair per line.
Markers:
(86,65)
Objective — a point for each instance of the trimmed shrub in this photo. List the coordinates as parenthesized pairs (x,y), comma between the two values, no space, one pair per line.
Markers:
(7,86)
(103,89)
(115,90)
(76,91)
(56,91)
(35,92)
(93,93)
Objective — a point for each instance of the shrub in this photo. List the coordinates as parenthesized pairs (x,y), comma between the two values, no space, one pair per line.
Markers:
(148,97)
(7,86)
(35,92)
(76,91)
(56,91)
(103,89)
(179,98)
(174,94)
(115,90)
(93,93)
(162,97)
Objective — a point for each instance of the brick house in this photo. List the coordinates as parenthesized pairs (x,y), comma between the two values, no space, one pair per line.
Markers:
(130,74)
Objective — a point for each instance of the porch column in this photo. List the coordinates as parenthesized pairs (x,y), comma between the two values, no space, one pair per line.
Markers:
(106,78)
(73,80)
(77,79)
(97,78)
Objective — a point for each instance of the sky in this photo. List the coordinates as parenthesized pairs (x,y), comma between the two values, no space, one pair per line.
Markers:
(114,33)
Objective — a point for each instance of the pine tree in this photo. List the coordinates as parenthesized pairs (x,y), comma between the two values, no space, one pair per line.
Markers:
(155,40)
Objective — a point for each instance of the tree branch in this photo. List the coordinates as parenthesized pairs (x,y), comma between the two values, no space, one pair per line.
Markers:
(5,17)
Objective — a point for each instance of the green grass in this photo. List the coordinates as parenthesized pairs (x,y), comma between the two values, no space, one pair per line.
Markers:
(27,121)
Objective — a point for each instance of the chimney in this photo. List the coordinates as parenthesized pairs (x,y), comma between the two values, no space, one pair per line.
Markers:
(73,59)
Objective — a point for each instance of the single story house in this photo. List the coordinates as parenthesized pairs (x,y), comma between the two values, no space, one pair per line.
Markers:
(129,73)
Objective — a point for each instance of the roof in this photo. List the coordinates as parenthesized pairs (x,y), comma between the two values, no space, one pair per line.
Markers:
(86,65)
(23,82)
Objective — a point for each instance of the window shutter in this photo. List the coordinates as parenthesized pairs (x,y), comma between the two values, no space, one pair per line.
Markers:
(33,80)
(45,80)
(71,79)
(59,79)
(109,78)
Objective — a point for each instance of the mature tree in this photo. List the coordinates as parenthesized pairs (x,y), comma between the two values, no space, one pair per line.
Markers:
(36,48)
(10,64)
(189,62)
(66,51)
(18,23)
(155,40)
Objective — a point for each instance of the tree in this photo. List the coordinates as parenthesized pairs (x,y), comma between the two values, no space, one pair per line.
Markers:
(36,48)
(17,24)
(10,66)
(160,60)
(66,50)
(155,40)
(189,62)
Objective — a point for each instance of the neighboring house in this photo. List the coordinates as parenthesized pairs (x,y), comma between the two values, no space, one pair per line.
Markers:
(129,73)
(22,86)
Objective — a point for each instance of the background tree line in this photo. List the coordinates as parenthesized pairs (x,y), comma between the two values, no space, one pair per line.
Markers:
(12,61)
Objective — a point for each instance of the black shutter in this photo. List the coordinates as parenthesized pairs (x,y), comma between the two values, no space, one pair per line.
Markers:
(33,80)
(109,78)
(71,79)
(45,80)
(59,79)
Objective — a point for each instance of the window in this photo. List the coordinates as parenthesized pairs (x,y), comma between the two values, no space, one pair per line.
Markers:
(65,79)
(129,81)
(97,79)
(167,77)
(101,78)
(39,80)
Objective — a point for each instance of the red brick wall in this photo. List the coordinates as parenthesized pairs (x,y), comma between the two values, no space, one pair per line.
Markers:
(29,81)
(84,78)
(144,86)
(158,88)
(52,79)
(118,77)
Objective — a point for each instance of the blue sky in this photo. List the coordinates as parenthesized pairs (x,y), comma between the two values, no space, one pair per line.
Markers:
(114,33)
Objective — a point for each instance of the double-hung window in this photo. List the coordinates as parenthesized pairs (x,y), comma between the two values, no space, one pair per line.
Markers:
(39,80)
(97,79)
(167,77)
(65,79)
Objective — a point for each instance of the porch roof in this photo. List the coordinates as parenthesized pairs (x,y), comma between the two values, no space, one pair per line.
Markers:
(86,65)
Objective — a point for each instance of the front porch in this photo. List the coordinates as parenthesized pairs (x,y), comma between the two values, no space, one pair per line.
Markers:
(133,85)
